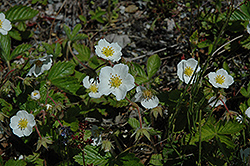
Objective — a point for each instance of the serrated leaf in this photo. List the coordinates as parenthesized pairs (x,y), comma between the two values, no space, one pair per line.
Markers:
(134,123)
(76,30)
(246,43)
(21,26)
(92,155)
(15,34)
(146,133)
(230,128)
(12,162)
(67,84)
(84,52)
(61,69)
(83,19)
(48,47)
(5,44)
(244,92)
(156,159)
(140,80)
(5,106)
(80,36)
(226,140)
(128,159)
(58,50)
(19,50)
(67,31)
(153,65)
(20,13)
(138,69)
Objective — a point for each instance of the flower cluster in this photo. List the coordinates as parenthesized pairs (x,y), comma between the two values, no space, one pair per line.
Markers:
(115,80)
(186,69)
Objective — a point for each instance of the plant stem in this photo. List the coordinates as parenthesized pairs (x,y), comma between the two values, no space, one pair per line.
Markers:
(199,162)
(138,109)
(224,105)
(38,132)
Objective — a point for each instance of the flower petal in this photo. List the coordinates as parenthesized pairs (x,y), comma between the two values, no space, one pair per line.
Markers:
(247,112)
(3,32)
(18,132)
(211,77)
(86,82)
(120,92)
(150,103)
(27,131)
(6,25)
(14,122)
(180,69)
(95,95)
(2,17)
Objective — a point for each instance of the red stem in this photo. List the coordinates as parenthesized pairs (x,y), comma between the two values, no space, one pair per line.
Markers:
(38,132)
(6,77)
(224,105)
(138,109)
(57,119)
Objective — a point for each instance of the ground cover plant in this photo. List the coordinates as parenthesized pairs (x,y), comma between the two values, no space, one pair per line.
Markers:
(124,83)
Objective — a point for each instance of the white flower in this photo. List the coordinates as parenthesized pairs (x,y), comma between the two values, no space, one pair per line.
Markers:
(40,65)
(146,97)
(185,70)
(116,80)
(22,123)
(213,102)
(5,25)
(35,95)
(239,119)
(220,79)
(108,51)
(48,106)
(247,112)
(97,136)
(93,86)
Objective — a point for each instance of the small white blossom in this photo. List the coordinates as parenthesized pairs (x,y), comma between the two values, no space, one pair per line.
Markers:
(146,97)
(213,102)
(40,65)
(220,79)
(116,80)
(5,25)
(97,136)
(185,70)
(93,86)
(108,51)
(35,95)
(22,123)
(247,112)
(48,106)
(239,119)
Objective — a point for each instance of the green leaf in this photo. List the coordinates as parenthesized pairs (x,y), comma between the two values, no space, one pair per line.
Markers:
(67,31)
(61,69)
(48,47)
(83,19)
(246,43)
(138,69)
(20,13)
(153,65)
(76,30)
(92,155)
(15,34)
(5,106)
(19,50)
(84,52)
(227,140)
(128,159)
(244,92)
(58,50)
(156,159)
(5,44)
(12,162)
(80,36)
(21,26)
(67,84)
(230,127)
(134,123)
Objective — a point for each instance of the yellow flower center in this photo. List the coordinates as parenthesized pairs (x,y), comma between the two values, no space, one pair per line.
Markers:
(1,23)
(93,88)
(220,79)
(188,71)
(39,63)
(35,93)
(108,51)
(23,123)
(115,81)
(147,94)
